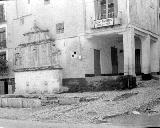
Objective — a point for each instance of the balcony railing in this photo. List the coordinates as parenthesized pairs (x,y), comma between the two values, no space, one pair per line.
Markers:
(113,19)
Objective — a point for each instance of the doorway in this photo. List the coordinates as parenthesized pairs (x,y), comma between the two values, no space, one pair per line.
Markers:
(3,86)
(114,59)
(97,64)
(137,61)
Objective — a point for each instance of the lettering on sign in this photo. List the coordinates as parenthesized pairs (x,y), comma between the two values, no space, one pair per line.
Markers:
(103,23)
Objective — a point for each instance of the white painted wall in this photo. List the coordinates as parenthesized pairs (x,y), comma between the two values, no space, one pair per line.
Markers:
(38,81)
(84,48)
(104,45)
(75,14)
(144,14)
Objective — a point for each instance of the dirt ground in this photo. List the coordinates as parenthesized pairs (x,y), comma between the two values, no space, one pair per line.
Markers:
(100,107)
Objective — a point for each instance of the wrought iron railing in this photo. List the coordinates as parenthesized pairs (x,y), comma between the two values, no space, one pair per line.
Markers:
(111,20)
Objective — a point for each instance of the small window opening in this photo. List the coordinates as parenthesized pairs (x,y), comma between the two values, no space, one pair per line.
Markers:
(46,1)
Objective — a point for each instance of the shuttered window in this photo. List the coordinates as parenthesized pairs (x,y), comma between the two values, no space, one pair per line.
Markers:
(106,9)
(2,13)
(111,8)
(103,9)
(2,38)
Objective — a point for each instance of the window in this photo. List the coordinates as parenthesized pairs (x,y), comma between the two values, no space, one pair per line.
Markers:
(110,9)
(3,62)
(103,9)
(2,18)
(46,1)
(2,38)
(3,55)
(106,9)
(60,28)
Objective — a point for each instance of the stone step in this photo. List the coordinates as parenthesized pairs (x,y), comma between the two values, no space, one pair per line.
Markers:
(43,101)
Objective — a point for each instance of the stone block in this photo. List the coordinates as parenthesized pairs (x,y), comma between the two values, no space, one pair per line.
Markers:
(75,84)
(31,103)
(68,100)
(4,102)
(15,102)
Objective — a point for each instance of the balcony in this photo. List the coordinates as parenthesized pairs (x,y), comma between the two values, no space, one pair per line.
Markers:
(112,20)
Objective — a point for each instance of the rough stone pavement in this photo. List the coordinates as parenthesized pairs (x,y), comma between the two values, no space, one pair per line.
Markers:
(88,112)
(30,124)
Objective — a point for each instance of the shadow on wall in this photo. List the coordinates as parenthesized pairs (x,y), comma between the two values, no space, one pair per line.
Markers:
(103,84)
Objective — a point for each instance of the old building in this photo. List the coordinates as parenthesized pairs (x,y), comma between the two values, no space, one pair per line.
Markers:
(94,37)
(6,48)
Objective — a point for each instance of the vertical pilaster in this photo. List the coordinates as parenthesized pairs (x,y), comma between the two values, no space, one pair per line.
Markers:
(146,55)
(129,52)
(154,57)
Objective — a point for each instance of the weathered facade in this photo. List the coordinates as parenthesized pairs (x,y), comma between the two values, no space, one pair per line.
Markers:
(94,37)
(6,47)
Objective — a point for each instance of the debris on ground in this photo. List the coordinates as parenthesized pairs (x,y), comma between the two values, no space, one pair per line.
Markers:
(124,96)
(89,107)
(147,108)
(136,112)
(148,83)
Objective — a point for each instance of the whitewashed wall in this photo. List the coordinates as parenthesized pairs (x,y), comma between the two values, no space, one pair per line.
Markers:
(44,81)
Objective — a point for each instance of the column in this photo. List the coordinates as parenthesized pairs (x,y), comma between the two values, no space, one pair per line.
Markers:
(155,57)
(129,52)
(146,57)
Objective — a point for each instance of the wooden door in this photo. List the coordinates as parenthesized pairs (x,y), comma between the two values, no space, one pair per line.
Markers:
(2,88)
(114,59)
(97,65)
(137,62)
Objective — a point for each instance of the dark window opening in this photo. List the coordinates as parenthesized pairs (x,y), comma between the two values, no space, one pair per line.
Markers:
(103,9)
(60,28)
(110,9)
(2,17)
(2,38)
(46,1)
(106,9)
